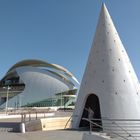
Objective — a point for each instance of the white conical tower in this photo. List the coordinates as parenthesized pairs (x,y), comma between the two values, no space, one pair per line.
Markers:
(109,86)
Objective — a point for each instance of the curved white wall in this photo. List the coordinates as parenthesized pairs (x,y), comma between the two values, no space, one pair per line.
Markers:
(39,85)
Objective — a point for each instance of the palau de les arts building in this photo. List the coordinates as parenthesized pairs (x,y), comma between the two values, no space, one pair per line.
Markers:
(35,83)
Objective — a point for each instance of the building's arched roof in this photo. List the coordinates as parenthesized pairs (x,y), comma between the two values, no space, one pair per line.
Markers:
(53,68)
(40,63)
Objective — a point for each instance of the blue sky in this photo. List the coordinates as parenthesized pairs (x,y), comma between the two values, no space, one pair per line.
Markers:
(61,31)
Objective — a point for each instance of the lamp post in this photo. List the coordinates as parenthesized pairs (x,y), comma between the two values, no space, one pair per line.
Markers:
(7,93)
(20,100)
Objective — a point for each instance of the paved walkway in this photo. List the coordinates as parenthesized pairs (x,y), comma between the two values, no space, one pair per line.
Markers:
(46,135)
(7,124)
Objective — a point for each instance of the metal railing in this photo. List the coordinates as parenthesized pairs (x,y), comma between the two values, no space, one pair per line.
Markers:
(124,128)
(6,129)
(28,115)
(70,120)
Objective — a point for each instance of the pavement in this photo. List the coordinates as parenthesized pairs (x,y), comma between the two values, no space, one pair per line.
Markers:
(43,135)
(8,125)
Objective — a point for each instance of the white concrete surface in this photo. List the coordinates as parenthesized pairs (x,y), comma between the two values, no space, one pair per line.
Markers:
(109,75)
(95,136)
(22,127)
(47,135)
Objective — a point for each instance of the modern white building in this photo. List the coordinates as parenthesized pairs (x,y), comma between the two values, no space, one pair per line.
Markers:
(109,86)
(37,83)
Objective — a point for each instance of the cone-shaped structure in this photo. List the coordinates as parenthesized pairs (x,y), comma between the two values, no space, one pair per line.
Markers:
(109,86)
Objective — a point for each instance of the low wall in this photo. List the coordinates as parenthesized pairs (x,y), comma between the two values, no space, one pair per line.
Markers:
(47,124)
(34,125)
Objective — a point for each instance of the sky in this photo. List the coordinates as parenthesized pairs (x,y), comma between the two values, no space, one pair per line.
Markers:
(62,31)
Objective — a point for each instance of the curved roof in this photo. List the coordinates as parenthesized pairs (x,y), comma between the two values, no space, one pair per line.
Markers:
(53,68)
(40,63)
